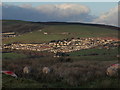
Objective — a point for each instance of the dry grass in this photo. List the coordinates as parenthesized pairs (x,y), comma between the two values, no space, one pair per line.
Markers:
(75,73)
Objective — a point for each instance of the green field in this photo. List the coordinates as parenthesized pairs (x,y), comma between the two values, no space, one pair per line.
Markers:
(13,56)
(97,51)
(102,54)
(55,33)
(79,29)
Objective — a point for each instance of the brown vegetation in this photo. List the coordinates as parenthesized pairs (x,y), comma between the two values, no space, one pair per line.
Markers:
(75,73)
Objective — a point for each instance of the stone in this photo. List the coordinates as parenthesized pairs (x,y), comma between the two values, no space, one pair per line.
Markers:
(46,70)
(113,70)
(26,70)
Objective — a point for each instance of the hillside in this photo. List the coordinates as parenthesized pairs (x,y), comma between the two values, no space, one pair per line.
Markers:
(33,32)
(19,26)
(84,66)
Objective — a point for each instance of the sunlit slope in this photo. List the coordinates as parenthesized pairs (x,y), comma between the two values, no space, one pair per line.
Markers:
(81,30)
(58,32)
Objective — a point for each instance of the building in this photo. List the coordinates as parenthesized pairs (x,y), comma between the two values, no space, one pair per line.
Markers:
(9,34)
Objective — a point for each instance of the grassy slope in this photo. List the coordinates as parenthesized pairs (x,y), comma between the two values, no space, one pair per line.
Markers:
(13,56)
(54,33)
(10,82)
(102,53)
(100,63)
(108,82)
(19,27)
(77,31)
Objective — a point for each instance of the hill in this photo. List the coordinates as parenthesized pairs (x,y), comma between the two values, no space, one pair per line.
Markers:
(80,69)
(18,26)
(35,32)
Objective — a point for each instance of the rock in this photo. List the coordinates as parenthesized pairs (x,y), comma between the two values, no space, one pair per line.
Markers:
(118,56)
(113,70)
(46,70)
(9,73)
(26,70)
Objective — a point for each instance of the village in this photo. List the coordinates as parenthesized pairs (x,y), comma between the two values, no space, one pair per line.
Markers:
(65,45)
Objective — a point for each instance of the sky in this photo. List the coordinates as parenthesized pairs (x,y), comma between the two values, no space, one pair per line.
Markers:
(97,8)
(86,12)
(60,0)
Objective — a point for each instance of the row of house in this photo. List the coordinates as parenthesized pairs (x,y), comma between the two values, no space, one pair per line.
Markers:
(63,45)
(78,44)
(9,34)
(32,47)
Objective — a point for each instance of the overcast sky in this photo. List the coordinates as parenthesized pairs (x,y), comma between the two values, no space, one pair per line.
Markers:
(92,12)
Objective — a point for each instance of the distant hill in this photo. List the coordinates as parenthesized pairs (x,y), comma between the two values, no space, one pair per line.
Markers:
(34,32)
(75,23)
(19,26)
(25,26)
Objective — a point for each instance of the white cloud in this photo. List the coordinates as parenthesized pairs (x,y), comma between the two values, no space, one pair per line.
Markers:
(0,3)
(64,10)
(26,6)
(110,17)
(58,12)
(48,12)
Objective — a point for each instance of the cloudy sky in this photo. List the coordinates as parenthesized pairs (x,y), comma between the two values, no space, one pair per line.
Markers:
(86,12)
